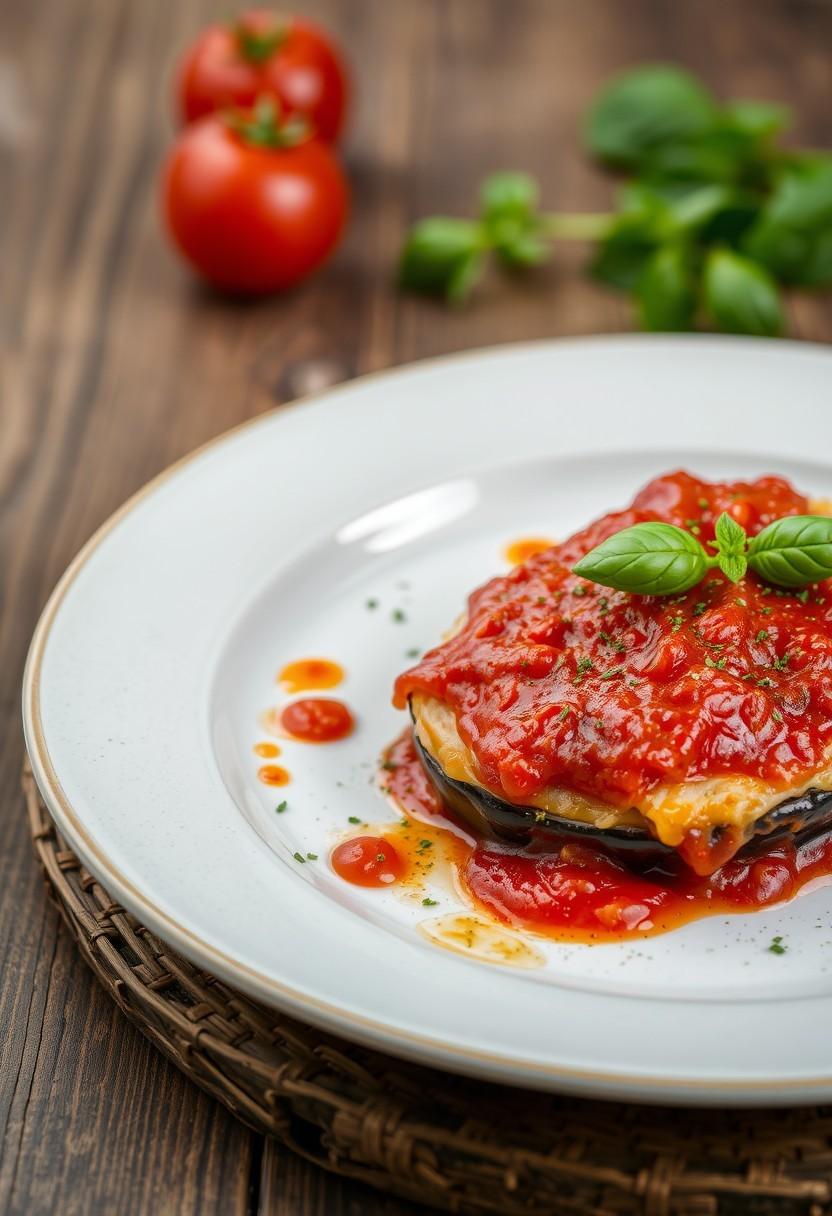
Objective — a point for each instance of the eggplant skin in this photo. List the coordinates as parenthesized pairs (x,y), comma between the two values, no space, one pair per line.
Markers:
(803,817)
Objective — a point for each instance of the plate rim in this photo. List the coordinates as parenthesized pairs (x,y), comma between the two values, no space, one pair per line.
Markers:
(429,1049)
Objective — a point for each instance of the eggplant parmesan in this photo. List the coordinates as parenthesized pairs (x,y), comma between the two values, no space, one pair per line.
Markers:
(698,725)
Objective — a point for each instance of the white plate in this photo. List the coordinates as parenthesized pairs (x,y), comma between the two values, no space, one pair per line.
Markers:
(159,648)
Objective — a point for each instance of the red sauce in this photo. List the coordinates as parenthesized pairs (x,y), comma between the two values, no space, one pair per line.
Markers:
(268,751)
(368,861)
(273,774)
(305,674)
(527,546)
(557,681)
(580,893)
(574,892)
(317,720)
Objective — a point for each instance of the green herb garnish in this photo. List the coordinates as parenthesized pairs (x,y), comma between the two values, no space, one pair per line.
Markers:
(776,946)
(661,559)
(429,903)
(717,214)
(281,807)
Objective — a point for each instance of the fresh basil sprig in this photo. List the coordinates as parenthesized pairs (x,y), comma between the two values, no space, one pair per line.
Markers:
(661,559)
(716,214)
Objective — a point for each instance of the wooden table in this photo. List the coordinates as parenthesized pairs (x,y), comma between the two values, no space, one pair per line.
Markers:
(116,363)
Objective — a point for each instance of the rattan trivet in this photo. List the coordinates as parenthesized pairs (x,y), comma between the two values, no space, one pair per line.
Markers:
(454,1144)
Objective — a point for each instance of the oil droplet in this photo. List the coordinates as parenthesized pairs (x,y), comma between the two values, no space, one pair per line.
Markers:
(273,774)
(519,550)
(480,939)
(267,750)
(306,674)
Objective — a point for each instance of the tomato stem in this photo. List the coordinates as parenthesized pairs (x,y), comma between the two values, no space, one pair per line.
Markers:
(256,46)
(263,127)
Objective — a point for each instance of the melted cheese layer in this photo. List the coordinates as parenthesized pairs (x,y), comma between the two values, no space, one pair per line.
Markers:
(672,810)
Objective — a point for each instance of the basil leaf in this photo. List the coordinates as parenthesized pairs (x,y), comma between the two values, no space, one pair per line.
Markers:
(759,119)
(648,559)
(803,197)
(730,536)
(732,565)
(463,278)
(666,300)
(622,256)
(509,196)
(644,109)
(438,253)
(793,235)
(521,249)
(802,259)
(691,210)
(793,551)
(741,296)
(508,204)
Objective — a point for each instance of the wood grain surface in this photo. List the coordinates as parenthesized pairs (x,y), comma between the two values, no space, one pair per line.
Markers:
(115,363)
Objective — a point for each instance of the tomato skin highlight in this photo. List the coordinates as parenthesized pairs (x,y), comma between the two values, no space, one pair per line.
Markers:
(252,219)
(367,861)
(306,73)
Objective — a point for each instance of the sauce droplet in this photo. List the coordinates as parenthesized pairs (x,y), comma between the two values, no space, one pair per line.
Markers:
(367,861)
(306,674)
(273,774)
(519,550)
(317,720)
(267,750)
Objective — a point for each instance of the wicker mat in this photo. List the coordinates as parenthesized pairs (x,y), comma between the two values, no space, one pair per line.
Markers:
(454,1144)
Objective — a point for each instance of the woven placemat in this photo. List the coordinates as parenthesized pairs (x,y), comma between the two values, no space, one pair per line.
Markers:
(451,1143)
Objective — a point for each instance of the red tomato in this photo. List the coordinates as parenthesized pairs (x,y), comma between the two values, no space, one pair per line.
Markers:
(250,217)
(286,58)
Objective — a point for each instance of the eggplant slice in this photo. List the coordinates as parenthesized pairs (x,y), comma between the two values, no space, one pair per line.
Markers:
(803,817)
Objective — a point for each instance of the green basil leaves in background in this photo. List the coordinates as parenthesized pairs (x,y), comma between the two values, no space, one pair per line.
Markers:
(716,215)
(740,296)
(793,551)
(443,255)
(664,291)
(648,559)
(640,112)
(661,559)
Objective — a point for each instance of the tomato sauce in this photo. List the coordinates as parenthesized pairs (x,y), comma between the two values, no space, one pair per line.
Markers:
(304,675)
(557,681)
(273,774)
(368,861)
(317,720)
(581,893)
(524,548)
(267,751)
